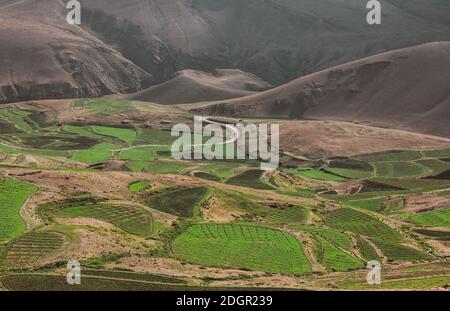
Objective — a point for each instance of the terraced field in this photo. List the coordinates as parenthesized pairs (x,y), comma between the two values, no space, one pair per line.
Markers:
(335,237)
(251,179)
(34,245)
(437,166)
(99,153)
(13,194)
(158,166)
(367,250)
(139,186)
(332,257)
(179,202)
(134,276)
(350,168)
(439,218)
(392,156)
(399,169)
(373,205)
(206,176)
(360,223)
(289,215)
(139,154)
(244,246)
(124,134)
(314,174)
(398,252)
(340,205)
(52,282)
(131,219)
(445,153)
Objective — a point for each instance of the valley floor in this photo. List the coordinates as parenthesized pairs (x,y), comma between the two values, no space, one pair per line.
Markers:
(93,180)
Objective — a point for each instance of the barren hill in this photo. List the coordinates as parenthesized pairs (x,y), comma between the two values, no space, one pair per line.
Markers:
(322,139)
(42,56)
(190,86)
(278,40)
(407,88)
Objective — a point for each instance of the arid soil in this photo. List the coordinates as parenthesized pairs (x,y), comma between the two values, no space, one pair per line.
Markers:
(406,89)
(426,202)
(71,62)
(334,138)
(191,86)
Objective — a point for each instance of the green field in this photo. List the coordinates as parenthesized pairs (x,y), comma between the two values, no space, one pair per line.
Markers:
(437,166)
(33,246)
(439,218)
(130,219)
(251,179)
(314,174)
(332,257)
(154,137)
(16,117)
(84,131)
(219,169)
(445,153)
(360,223)
(399,169)
(373,205)
(179,202)
(349,173)
(367,250)
(398,252)
(124,134)
(99,153)
(158,167)
(288,215)
(139,154)
(335,237)
(13,194)
(408,155)
(139,186)
(241,246)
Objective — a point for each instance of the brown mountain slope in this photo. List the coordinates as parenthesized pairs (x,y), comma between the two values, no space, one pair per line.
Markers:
(278,40)
(190,86)
(407,88)
(42,56)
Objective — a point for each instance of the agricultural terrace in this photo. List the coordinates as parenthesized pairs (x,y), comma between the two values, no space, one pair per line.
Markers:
(241,246)
(13,194)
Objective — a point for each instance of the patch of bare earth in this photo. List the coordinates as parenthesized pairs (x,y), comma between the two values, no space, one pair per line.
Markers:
(441,248)
(426,202)
(215,211)
(317,139)
(96,238)
(174,267)
(28,210)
